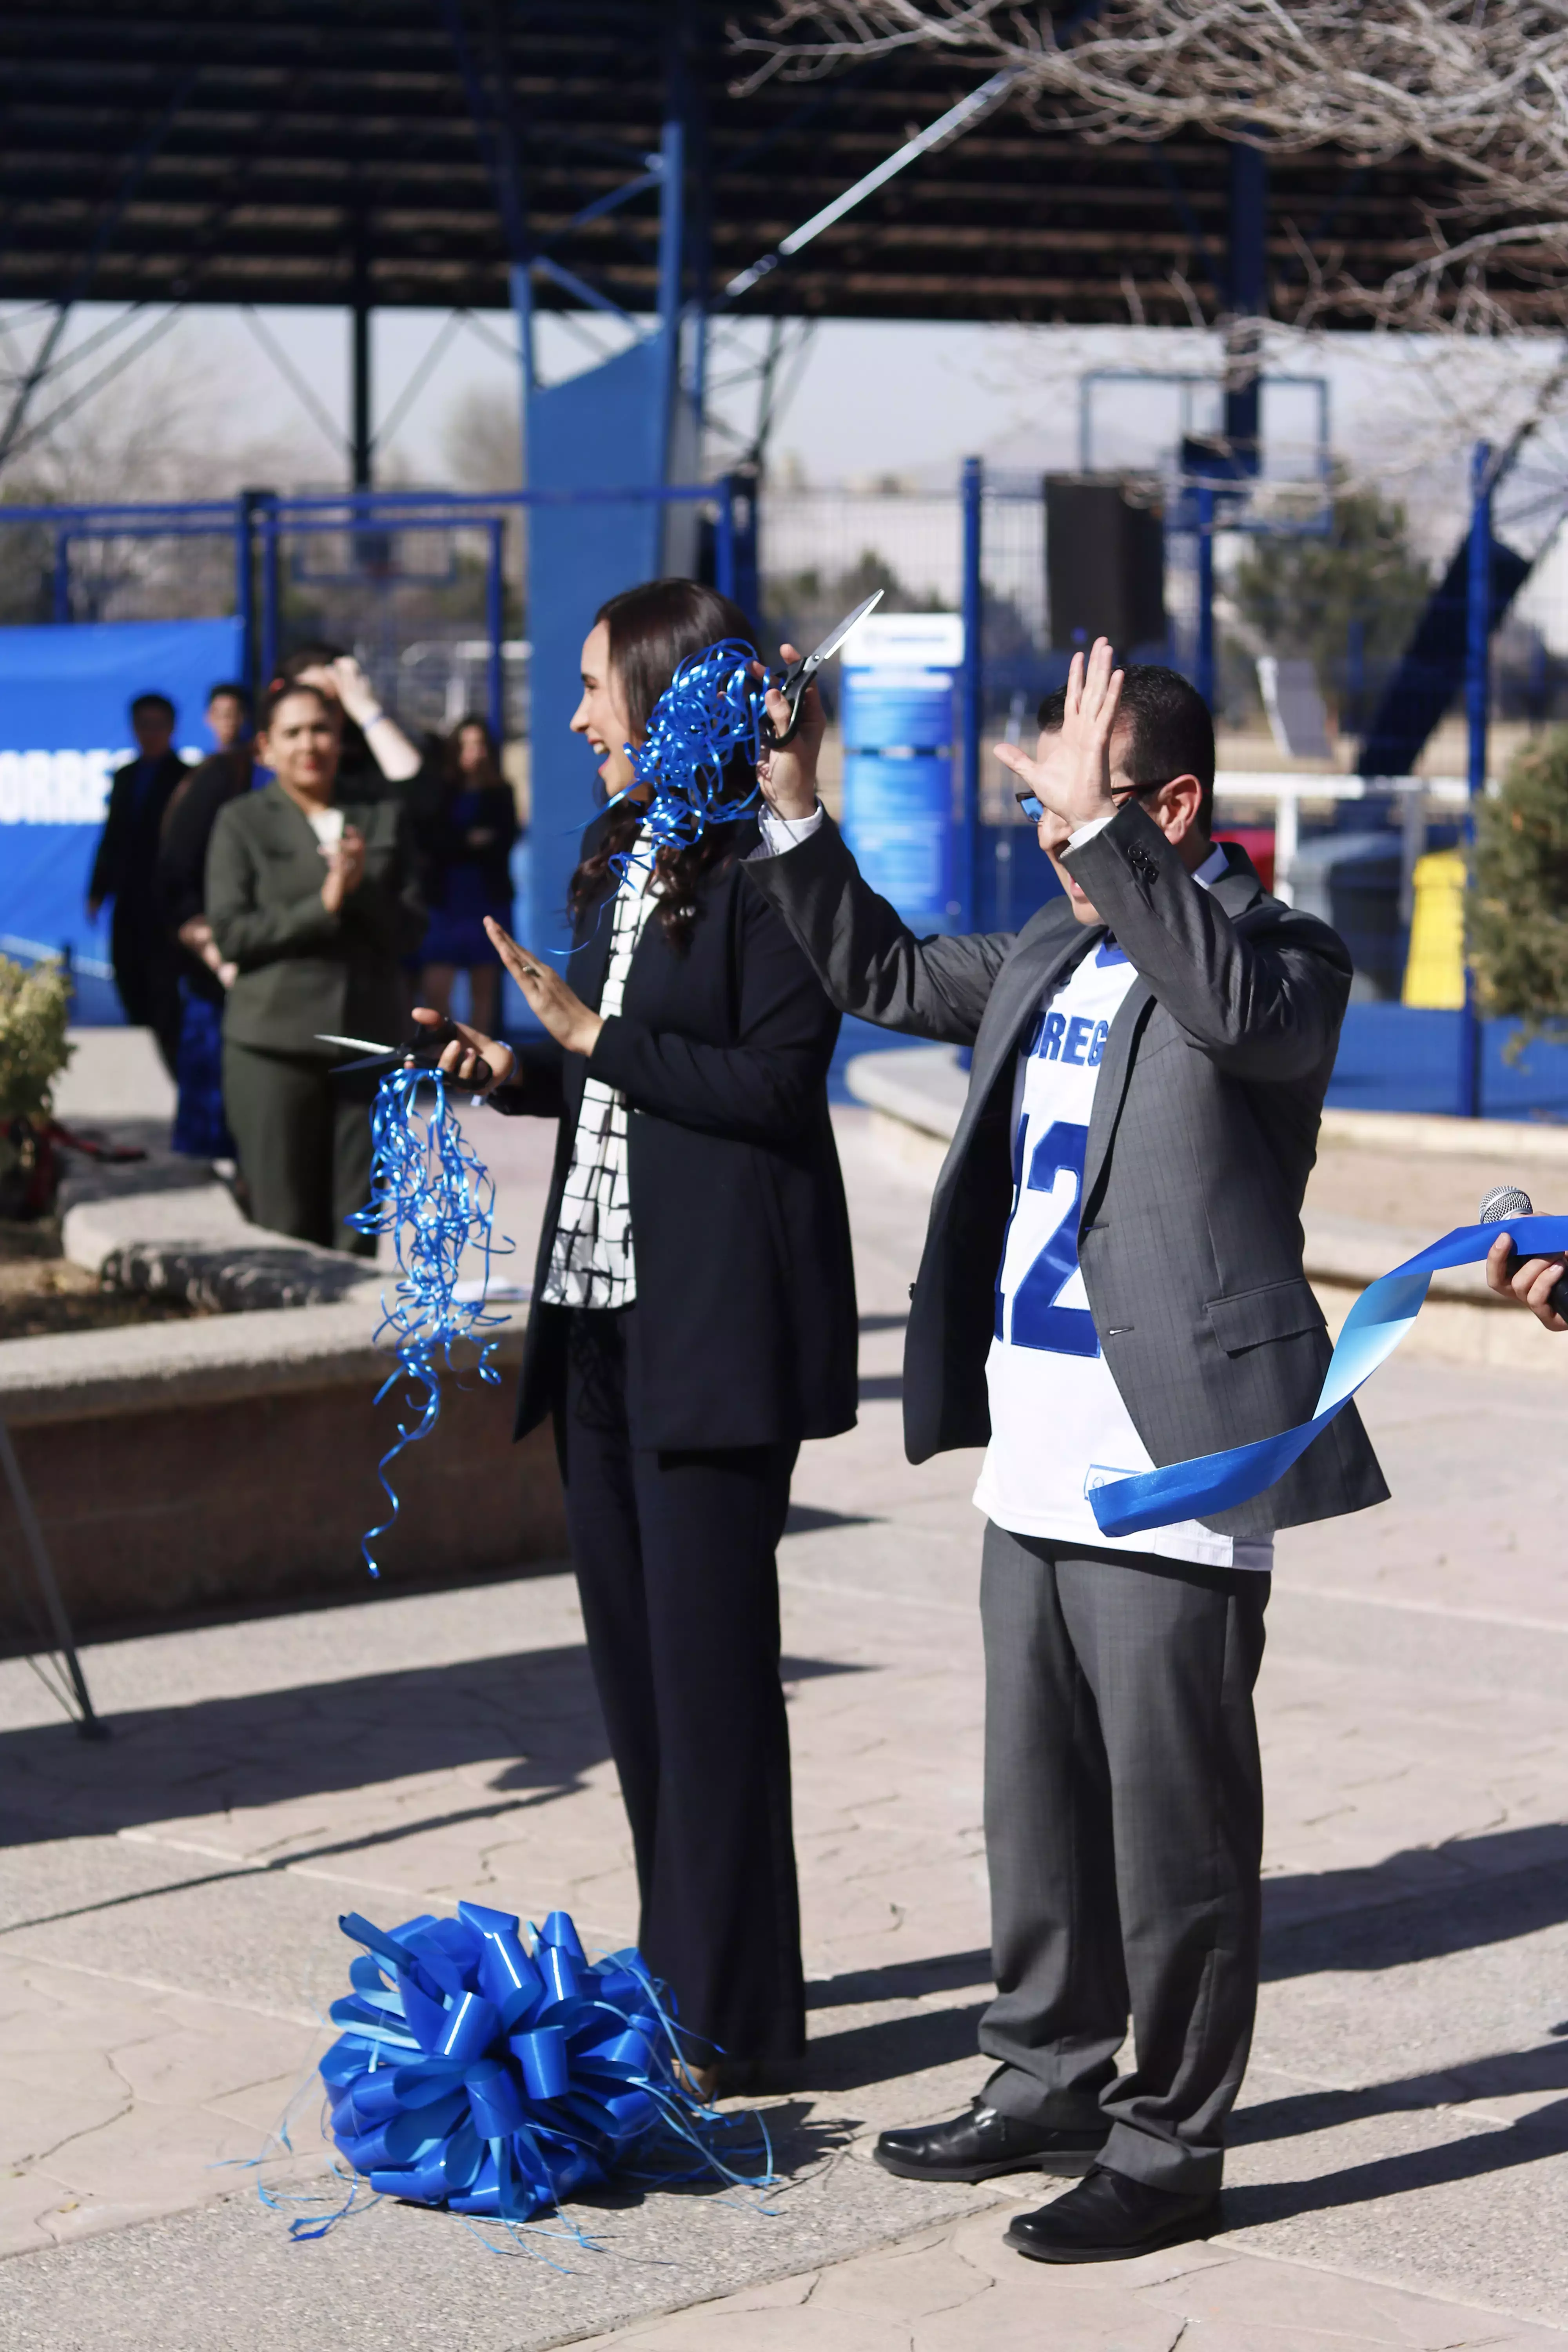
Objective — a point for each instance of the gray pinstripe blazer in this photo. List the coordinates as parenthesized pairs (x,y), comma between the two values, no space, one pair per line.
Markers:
(1203,1135)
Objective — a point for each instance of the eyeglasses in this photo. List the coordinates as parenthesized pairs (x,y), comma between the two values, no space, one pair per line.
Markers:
(1034,807)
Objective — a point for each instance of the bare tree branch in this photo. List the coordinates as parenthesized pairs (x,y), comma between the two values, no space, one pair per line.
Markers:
(1480,91)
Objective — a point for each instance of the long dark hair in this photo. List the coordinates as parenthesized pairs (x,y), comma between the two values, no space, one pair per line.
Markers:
(454,775)
(652,629)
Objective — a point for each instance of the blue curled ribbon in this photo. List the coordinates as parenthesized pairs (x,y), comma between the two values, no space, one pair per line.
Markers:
(429,1189)
(1373,1330)
(496,2081)
(711,709)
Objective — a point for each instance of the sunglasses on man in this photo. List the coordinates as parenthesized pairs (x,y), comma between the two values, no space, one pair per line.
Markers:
(1034,807)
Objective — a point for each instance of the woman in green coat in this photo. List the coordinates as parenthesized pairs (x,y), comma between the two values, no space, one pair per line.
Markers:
(314,902)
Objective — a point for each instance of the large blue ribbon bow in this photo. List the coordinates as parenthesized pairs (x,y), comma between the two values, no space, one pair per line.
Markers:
(1373,1330)
(475,2074)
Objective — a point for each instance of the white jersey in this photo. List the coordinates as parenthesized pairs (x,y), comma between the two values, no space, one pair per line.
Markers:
(1059,1425)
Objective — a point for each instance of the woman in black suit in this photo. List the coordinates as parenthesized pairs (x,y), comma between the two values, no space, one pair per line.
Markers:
(693,1320)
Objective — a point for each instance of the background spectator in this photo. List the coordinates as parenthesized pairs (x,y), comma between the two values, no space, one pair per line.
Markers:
(466,838)
(125,869)
(200,1126)
(228,714)
(313,950)
(375,751)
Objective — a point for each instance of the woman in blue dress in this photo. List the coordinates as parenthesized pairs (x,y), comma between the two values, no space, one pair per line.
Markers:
(467,842)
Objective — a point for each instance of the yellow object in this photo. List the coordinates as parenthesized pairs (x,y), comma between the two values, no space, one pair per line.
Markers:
(1435,968)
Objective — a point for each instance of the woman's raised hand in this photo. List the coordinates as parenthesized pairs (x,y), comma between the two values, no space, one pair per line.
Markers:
(462,1057)
(345,869)
(562,1011)
(788,777)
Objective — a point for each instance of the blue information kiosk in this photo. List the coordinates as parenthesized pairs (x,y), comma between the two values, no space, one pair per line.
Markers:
(899,724)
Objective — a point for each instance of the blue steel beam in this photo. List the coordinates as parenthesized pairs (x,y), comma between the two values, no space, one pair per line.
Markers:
(1248,293)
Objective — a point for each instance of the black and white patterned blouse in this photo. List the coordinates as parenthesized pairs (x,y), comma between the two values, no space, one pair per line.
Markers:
(591,1258)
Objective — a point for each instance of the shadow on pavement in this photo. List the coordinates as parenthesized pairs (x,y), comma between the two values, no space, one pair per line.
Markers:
(884,2049)
(1470,2157)
(796,2140)
(534,1715)
(1509,2075)
(1515,1882)
(900,1981)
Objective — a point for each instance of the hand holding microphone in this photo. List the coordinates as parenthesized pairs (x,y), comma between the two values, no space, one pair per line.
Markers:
(1539,1283)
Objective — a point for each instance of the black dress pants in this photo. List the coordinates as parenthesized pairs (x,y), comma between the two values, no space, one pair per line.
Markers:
(147,980)
(675,1561)
(1124,1838)
(302,1134)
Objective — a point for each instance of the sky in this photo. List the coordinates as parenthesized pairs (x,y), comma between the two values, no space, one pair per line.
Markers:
(871,404)
(870,400)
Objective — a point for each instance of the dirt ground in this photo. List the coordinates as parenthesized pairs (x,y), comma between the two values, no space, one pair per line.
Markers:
(41,1291)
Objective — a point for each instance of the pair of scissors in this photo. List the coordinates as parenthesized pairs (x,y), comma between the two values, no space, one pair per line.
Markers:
(425,1049)
(793,682)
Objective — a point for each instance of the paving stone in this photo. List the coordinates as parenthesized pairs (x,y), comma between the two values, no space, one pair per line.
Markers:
(171,1917)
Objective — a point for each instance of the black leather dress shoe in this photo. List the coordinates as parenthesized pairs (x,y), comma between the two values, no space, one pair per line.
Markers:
(982,2145)
(1110,2217)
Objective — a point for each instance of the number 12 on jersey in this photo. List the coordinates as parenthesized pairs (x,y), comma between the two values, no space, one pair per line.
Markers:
(1037,1321)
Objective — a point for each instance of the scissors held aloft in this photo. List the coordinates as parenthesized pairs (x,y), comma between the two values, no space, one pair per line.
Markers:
(793,682)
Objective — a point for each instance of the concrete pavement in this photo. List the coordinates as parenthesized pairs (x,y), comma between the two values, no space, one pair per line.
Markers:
(1399,2173)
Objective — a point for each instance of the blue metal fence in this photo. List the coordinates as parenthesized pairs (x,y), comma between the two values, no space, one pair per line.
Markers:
(1391,1058)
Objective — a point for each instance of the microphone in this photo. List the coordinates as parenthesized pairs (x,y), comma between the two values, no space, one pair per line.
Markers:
(1506,1201)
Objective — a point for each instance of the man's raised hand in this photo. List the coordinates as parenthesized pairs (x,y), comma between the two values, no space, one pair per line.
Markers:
(1070,770)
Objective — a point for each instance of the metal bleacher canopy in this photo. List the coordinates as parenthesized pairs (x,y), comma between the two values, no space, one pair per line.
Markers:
(376,152)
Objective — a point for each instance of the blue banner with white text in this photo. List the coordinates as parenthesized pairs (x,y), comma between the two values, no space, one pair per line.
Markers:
(64,727)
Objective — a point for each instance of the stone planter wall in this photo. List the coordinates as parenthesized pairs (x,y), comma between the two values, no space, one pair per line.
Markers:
(232,1461)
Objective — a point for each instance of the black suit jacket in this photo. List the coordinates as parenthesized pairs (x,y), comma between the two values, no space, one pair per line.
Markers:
(188,824)
(125,863)
(745,1331)
(444,843)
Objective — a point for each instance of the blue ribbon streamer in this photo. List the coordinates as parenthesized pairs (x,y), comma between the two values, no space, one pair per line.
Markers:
(1373,1330)
(496,2080)
(711,709)
(429,1189)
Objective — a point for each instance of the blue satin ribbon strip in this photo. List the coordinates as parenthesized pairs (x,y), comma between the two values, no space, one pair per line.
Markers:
(431,1191)
(475,2073)
(1373,1330)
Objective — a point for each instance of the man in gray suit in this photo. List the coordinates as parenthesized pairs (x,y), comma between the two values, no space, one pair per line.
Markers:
(1112,1279)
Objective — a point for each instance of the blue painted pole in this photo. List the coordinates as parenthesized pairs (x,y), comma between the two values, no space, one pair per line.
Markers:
(724,540)
(1205,680)
(495,628)
(1249,212)
(967,846)
(1478,646)
(62,575)
(672,278)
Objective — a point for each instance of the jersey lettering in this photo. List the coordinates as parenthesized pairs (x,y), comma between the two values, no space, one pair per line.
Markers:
(1037,1321)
